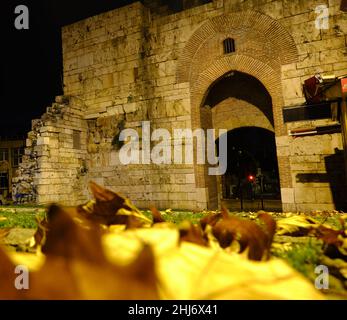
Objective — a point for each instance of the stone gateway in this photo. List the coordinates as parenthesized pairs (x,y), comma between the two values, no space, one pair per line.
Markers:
(221,64)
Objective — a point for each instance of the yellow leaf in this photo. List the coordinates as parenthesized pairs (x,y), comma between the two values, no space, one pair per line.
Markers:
(296,225)
(190,271)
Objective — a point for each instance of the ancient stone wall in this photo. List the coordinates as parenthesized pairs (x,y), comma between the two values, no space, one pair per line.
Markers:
(317,169)
(123,68)
(320,51)
(131,64)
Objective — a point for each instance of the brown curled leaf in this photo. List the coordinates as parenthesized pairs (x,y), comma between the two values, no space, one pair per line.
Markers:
(192,233)
(270,227)
(247,233)
(76,267)
(335,241)
(157,217)
(65,238)
(213,219)
(110,208)
(4,232)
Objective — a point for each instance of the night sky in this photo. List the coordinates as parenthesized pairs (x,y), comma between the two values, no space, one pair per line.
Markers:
(31,60)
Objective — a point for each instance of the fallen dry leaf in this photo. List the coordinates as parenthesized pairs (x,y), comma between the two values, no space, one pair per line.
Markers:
(248,234)
(157,217)
(4,232)
(191,271)
(337,267)
(111,208)
(270,225)
(296,225)
(335,240)
(65,238)
(78,279)
(75,266)
(192,233)
(212,219)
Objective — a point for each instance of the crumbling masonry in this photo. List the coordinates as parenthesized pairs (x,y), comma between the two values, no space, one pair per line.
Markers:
(141,62)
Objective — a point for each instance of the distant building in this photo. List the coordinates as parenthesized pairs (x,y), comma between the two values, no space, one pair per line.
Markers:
(11,152)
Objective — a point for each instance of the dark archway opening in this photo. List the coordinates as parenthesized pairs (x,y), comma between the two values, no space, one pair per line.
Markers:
(252,179)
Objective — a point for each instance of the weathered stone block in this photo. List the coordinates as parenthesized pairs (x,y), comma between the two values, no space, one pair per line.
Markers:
(305,195)
(42,141)
(287,195)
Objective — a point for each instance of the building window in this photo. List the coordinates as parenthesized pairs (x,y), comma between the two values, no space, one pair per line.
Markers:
(3,154)
(76,138)
(17,154)
(3,182)
(229,45)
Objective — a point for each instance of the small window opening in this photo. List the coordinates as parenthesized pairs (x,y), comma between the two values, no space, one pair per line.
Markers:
(229,45)
(76,137)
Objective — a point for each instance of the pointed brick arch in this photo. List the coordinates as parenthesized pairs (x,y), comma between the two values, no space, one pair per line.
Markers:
(271,79)
(279,43)
(262,46)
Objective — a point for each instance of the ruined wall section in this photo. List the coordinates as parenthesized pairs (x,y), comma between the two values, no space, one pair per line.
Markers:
(54,166)
(122,65)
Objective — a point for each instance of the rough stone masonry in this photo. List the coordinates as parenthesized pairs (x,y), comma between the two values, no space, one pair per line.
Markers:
(143,62)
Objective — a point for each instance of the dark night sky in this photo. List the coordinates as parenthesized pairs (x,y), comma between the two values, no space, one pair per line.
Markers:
(31,63)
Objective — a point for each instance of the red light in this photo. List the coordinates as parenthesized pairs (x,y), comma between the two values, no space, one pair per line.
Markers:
(251,178)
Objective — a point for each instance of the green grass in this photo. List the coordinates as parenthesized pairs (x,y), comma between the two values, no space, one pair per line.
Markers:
(304,257)
(24,216)
(24,205)
(178,216)
(17,219)
(331,221)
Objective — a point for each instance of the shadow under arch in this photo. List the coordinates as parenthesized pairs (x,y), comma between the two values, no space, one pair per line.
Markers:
(241,86)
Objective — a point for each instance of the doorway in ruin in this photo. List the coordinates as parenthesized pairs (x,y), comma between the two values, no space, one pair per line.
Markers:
(240,104)
(251,181)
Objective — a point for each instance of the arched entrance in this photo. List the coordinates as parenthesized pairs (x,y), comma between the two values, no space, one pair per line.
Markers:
(263,46)
(240,104)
